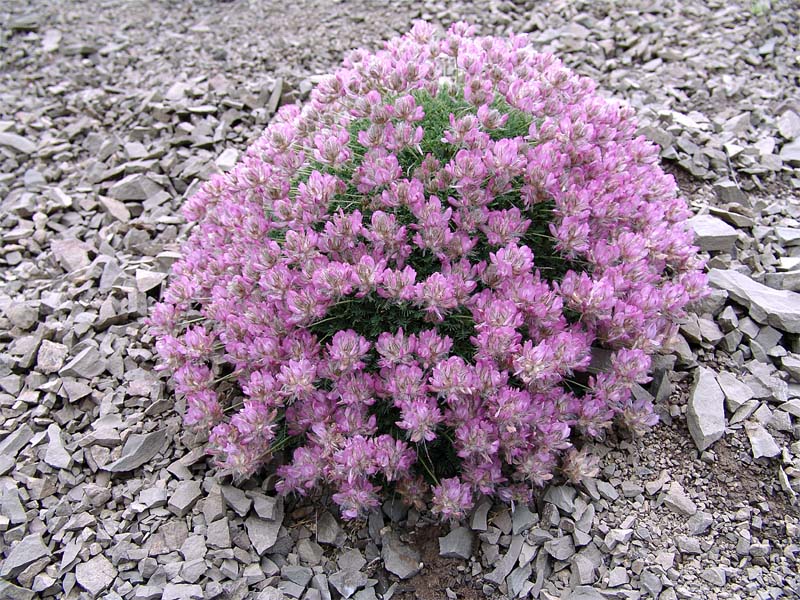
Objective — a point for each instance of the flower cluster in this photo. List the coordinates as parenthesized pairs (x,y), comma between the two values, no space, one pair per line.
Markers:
(405,279)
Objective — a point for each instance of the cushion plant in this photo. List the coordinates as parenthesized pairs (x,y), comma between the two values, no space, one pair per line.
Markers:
(403,281)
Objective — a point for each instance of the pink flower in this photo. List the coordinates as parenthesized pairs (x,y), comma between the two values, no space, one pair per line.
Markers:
(451,498)
(388,266)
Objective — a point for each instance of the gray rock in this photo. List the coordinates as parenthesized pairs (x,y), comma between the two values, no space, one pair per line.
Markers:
(581,570)
(264,506)
(17,142)
(134,187)
(522,519)
(16,440)
(563,497)
(714,576)
(677,500)
(153,497)
(456,544)
(398,558)
(227,160)
(560,548)
(728,191)
(688,545)
(71,254)
(706,413)
(320,583)
(713,234)
(788,236)
(351,559)
(115,208)
(506,564)
(583,593)
(328,529)
(736,392)
(11,506)
(22,315)
(51,356)
(95,575)
(236,499)
(477,521)
(618,576)
(87,364)
(148,280)
(26,552)
(186,494)
(310,552)
(365,594)
(761,442)
(138,450)
(297,574)
(218,534)
(779,308)
(607,490)
(9,591)
(518,579)
(347,581)
(182,591)
(651,583)
(699,523)
(270,593)
(262,533)
(789,125)
(791,364)
(56,455)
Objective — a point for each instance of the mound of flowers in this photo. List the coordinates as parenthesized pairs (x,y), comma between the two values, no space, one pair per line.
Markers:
(402,283)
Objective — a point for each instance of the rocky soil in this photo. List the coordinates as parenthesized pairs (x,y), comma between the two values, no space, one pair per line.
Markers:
(112,112)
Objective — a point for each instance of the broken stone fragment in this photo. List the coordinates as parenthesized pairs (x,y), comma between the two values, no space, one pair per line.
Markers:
(138,450)
(761,442)
(399,558)
(713,234)
(17,143)
(456,544)
(779,308)
(706,414)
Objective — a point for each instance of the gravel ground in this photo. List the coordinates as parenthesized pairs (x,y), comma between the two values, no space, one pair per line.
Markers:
(111,112)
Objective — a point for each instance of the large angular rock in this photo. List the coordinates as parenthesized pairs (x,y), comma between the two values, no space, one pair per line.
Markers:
(95,575)
(456,544)
(17,142)
(712,234)
(138,450)
(30,549)
(398,558)
(263,533)
(87,364)
(505,565)
(56,455)
(762,443)
(779,308)
(347,581)
(706,414)
(134,187)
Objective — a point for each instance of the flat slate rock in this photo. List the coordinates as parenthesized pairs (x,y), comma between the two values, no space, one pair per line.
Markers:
(137,451)
(457,544)
(27,551)
(779,308)
(17,142)
(399,558)
(263,533)
(712,234)
(706,415)
(95,575)
(761,442)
